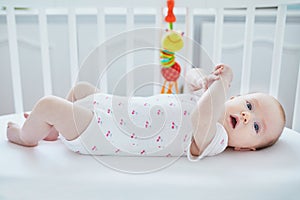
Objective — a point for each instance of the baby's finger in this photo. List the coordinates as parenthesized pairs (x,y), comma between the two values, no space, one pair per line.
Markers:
(205,83)
(215,77)
(218,69)
(218,66)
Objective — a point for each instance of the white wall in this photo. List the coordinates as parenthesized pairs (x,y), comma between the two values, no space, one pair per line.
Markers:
(30,60)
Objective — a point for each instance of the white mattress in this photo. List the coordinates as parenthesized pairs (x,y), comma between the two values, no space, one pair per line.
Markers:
(51,171)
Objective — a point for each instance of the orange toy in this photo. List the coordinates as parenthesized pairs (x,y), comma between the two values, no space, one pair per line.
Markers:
(170,18)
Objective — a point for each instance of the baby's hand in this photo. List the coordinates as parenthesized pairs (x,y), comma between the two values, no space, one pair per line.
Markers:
(197,79)
(206,82)
(224,71)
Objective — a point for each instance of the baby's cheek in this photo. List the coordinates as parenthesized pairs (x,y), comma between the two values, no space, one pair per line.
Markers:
(250,138)
(230,105)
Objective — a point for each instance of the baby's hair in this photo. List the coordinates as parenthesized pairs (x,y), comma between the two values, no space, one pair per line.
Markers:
(274,140)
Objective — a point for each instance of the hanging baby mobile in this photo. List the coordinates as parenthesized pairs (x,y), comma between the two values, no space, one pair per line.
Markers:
(171,43)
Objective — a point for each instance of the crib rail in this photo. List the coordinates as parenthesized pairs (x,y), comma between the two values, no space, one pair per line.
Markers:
(191,8)
(147,4)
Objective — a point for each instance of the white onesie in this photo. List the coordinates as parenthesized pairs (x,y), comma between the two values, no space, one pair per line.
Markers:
(158,125)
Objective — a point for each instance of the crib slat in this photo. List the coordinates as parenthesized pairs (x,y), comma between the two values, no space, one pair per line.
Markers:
(218,35)
(189,36)
(73,47)
(45,52)
(277,50)
(157,79)
(14,60)
(101,25)
(247,52)
(296,115)
(129,57)
(101,37)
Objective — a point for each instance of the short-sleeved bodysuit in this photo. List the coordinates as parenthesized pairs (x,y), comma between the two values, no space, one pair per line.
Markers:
(158,125)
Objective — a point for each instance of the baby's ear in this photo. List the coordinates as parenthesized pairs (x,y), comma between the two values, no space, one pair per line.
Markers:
(244,149)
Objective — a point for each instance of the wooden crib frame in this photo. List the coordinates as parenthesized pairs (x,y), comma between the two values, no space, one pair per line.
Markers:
(41,9)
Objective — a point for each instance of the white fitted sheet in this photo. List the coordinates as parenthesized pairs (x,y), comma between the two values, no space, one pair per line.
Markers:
(51,171)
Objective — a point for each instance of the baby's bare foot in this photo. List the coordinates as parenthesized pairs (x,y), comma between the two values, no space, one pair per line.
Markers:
(13,134)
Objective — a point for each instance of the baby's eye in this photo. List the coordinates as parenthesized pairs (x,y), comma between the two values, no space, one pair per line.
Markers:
(249,105)
(256,127)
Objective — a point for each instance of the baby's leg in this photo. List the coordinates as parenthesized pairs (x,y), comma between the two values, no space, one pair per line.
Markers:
(52,134)
(70,120)
(79,91)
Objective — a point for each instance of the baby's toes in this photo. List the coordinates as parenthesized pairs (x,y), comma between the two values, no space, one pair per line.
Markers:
(12,124)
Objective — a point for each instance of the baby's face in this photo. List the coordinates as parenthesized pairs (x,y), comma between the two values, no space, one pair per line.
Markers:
(251,120)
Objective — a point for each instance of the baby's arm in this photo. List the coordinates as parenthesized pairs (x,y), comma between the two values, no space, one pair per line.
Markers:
(209,109)
(197,79)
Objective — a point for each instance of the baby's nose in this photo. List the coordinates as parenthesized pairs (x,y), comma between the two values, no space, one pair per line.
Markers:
(245,117)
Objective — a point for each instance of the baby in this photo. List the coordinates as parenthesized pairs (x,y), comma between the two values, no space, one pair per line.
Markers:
(91,122)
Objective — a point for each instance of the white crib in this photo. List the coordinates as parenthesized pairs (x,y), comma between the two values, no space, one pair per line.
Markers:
(51,68)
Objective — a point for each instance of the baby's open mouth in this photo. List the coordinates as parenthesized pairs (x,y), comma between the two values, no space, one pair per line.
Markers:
(233,121)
